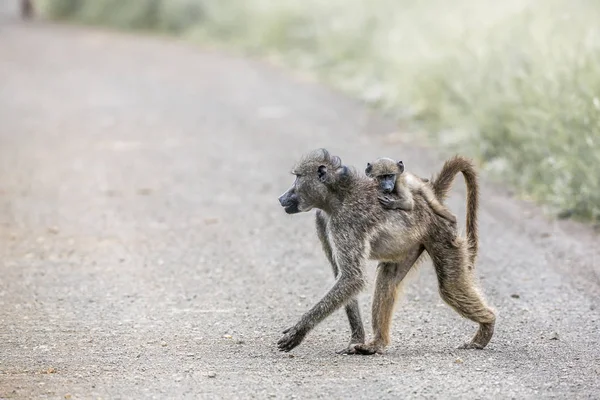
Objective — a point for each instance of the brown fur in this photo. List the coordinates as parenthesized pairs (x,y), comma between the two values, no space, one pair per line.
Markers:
(354,228)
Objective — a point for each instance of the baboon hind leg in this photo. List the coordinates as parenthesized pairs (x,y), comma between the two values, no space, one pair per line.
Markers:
(438,207)
(458,290)
(387,291)
(443,212)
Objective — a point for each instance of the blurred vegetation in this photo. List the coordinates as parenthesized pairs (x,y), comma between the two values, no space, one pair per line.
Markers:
(514,83)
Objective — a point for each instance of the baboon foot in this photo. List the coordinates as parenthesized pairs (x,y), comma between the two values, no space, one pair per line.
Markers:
(367,349)
(349,350)
(482,337)
(449,217)
(355,340)
(470,346)
(452,219)
(292,337)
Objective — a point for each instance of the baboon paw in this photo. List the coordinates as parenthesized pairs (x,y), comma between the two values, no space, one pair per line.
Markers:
(384,200)
(348,350)
(471,346)
(366,349)
(388,203)
(292,337)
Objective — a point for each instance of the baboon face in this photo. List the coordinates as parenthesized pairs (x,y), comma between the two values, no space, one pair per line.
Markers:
(385,171)
(317,175)
(298,198)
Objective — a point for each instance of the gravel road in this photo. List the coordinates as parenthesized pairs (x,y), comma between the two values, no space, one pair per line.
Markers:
(143,253)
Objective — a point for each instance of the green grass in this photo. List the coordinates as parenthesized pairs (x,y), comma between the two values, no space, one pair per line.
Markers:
(514,83)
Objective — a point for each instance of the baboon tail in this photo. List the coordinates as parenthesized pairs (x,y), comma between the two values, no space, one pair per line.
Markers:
(442,185)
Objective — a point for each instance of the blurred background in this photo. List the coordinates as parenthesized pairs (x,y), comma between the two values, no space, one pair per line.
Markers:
(514,83)
(143,252)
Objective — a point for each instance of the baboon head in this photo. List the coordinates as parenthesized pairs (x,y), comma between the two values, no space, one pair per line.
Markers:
(385,171)
(318,176)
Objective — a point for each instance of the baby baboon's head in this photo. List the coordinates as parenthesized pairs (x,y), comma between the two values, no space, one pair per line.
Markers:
(385,171)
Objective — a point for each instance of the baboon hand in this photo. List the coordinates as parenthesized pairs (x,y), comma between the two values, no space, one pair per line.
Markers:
(292,337)
(367,349)
(387,202)
(351,349)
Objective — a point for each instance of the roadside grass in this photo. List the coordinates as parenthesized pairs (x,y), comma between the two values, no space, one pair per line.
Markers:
(515,84)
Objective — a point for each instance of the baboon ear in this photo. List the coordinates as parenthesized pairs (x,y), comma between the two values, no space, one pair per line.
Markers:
(342,171)
(369,168)
(401,166)
(322,172)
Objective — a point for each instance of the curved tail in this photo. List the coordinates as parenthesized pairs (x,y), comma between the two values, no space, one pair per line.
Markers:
(442,185)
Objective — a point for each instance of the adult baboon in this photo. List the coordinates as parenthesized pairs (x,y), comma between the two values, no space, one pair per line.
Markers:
(354,227)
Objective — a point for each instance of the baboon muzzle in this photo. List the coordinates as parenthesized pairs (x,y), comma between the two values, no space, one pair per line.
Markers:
(289,201)
(387,185)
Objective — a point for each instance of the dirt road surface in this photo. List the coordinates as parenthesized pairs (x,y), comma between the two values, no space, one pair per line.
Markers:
(143,253)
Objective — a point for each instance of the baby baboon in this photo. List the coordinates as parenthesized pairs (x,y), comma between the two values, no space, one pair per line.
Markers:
(353,228)
(392,179)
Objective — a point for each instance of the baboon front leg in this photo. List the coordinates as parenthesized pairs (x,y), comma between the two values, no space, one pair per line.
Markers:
(459,291)
(390,203)
(404,201)
(350,259)
(352,308)
(387,290)
(356,326)
(347,287)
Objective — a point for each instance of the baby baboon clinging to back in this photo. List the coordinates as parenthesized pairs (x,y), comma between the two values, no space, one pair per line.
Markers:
(392,179)
(353,228)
